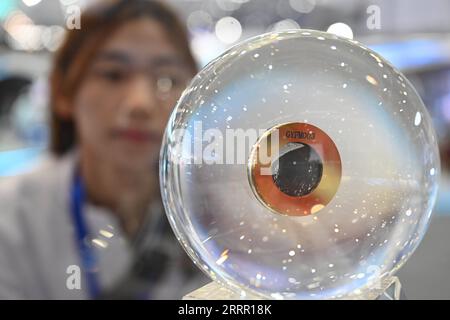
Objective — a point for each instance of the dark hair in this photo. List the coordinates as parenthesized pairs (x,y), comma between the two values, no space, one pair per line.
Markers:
(73,58)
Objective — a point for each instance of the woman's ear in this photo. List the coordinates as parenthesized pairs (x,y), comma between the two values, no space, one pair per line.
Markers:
(63,107)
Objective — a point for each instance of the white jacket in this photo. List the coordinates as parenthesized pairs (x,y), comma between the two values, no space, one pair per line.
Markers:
(38,248)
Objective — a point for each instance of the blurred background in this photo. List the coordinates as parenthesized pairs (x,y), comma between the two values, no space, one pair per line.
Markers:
(413,34)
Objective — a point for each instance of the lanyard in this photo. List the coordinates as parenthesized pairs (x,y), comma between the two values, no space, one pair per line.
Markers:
(86,252)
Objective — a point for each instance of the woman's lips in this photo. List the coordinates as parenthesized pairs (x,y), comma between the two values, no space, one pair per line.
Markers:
(136,135)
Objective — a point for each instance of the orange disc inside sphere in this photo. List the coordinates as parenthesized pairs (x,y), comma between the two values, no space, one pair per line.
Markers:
(295,169)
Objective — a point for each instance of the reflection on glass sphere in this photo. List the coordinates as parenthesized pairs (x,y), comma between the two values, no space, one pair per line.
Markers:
(380,185)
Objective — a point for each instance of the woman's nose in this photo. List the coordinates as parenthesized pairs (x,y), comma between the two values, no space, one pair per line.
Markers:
(141,97)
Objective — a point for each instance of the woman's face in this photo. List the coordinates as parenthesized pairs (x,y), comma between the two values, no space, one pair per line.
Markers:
(130,89)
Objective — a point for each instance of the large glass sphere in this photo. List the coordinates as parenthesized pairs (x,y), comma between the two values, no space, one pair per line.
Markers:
(346,198)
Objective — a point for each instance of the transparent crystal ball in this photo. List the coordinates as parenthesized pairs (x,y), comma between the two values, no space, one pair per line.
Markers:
(385,191)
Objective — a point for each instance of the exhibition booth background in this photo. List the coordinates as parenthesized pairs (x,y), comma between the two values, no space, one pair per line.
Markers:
(412,34)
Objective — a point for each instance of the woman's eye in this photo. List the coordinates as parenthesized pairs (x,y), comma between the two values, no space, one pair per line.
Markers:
(169,83)
(113,75)
(174,79)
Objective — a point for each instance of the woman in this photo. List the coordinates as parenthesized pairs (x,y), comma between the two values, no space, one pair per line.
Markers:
(93,211)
